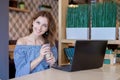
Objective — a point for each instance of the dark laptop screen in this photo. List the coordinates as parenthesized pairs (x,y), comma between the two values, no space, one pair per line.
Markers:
(89,54)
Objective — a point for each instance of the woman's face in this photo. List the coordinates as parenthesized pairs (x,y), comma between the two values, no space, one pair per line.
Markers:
(40,26)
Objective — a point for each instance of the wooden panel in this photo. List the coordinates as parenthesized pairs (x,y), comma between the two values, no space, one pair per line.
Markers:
(11,47)
(63,4)
(17,9)
(11,50)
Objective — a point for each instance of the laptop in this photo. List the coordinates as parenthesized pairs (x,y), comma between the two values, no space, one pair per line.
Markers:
(88,54)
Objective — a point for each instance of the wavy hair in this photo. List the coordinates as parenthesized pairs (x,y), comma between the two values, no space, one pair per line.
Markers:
(51,35)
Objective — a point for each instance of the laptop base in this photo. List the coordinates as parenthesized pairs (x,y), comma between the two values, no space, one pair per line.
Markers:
(63,67)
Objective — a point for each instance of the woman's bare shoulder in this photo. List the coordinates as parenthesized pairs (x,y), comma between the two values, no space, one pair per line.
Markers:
(22,41)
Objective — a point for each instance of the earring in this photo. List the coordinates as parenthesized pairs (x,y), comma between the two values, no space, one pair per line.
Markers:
(46,33)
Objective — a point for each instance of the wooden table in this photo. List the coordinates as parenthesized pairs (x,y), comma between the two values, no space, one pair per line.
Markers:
(107,72)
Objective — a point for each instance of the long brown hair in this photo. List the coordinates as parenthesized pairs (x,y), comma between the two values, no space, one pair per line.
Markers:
(51,35)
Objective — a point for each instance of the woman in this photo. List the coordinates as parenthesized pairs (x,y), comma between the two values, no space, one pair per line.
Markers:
(37,51)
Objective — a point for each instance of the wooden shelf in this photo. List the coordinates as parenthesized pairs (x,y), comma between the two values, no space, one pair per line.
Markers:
(17,9)
(114,42)
(68,41)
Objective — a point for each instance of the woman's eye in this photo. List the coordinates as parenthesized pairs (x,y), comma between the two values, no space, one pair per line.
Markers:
(38,22)
(45,25)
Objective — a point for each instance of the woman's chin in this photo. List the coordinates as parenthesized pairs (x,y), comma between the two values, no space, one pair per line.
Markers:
(38,34)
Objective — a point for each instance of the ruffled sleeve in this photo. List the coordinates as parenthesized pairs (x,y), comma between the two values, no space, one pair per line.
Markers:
(21,63)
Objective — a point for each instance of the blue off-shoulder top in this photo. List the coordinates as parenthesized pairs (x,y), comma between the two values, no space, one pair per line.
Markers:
(24,54)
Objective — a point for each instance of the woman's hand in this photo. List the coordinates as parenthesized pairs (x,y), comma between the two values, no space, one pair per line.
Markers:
(45,49)
(46,52)
(50,59)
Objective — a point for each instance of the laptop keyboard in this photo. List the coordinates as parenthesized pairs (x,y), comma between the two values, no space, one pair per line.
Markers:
(63,67)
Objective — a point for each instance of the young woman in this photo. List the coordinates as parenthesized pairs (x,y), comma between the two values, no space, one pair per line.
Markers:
(37,51)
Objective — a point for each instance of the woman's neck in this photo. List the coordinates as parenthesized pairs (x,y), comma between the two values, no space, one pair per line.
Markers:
(36,39)
(32,35)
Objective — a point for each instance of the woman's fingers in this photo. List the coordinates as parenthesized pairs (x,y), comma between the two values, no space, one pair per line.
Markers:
(45,49)
(51,61)
(46,45)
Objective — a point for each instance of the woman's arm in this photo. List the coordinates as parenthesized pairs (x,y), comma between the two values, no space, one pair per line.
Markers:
(35,62)
(21,64)
(43,51)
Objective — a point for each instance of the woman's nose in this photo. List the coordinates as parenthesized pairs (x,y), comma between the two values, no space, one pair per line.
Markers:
(39,27)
